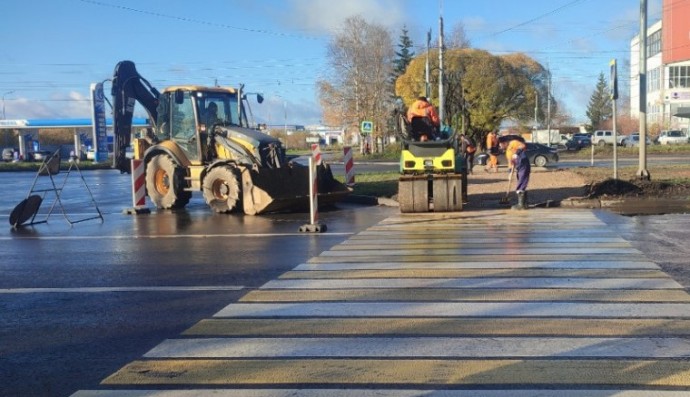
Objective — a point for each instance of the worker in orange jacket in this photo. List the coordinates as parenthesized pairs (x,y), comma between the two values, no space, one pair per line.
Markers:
(492,149)
(423,120)
(513,147)
(516,153)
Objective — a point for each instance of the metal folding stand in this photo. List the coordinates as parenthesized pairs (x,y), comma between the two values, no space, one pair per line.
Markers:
(27,210)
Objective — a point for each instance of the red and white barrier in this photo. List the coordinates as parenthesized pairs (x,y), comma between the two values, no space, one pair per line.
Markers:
(314,191)
(138,189)
(349,166)
(316,153)
(313,226)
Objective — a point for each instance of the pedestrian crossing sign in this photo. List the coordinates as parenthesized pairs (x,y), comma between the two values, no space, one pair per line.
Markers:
(366,127)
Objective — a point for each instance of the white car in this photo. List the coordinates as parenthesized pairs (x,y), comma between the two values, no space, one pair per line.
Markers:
(605,137)
(672,137)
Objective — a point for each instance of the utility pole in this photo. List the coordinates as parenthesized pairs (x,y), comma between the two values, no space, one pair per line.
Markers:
(285,122)
(427,85)
(441,98)
(536,108)
(642,171)
(3,103)
(548,107)
(614,97)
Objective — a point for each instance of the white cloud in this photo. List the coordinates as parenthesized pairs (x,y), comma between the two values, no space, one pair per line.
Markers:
(72,104)
(275,111)
(325,16)
(475,24)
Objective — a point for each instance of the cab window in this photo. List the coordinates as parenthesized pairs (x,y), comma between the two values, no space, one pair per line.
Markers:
(182,115)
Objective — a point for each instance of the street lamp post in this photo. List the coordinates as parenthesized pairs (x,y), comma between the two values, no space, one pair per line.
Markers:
(285,122)
(3,103)
(284,119)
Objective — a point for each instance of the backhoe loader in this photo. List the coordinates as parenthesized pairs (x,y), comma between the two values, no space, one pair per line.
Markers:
(200,140)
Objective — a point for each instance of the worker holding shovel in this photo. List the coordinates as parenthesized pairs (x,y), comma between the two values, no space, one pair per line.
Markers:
(519,163)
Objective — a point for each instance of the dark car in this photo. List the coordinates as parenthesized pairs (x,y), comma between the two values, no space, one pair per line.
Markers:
(578,141)
(538,154)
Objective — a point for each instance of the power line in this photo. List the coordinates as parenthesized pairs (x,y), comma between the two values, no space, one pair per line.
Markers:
(535,18)
(197,21)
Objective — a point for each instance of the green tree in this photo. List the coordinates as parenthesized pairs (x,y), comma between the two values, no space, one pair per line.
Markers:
(404,55)
(482,90)
(599,109)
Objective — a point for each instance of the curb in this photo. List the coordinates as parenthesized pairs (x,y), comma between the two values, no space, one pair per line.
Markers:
(370,200)
(581,202)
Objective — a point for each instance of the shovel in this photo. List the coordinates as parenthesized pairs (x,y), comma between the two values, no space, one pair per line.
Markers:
(506,199)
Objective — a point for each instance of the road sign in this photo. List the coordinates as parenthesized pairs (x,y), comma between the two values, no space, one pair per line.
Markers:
(614,80)
(367,127)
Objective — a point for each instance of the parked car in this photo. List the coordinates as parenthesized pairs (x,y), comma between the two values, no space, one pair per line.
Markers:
(633,140)
(538,154)
(40,155)
(8,154)
(602,137)
(605,137)
(578,142)
(672,137)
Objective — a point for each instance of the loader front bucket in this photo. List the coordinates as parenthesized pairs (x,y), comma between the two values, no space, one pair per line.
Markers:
(287,189)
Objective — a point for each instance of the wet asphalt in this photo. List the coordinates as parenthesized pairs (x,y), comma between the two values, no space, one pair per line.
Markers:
(78,301)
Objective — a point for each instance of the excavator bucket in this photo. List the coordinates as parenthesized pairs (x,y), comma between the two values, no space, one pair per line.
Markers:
(287,189)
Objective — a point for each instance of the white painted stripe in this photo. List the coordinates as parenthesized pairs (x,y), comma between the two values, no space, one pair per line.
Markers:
(377,243)
(482,265)
(456,309)
(120,289)
(478,282)
(423,347)
(453,231)
(173,236)
(477,258)
(358,239)
(354,392)
(482,251)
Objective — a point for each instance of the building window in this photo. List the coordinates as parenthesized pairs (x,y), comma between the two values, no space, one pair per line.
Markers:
(654,80)
(654,43)
(679,76)
(654,113)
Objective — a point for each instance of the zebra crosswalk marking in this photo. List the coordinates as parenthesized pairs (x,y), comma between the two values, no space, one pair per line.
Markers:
(436,311)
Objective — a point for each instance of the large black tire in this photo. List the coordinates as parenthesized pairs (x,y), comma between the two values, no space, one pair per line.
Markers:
(164,183)
(221,189)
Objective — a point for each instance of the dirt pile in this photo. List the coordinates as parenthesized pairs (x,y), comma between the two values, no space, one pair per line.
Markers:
(638,188)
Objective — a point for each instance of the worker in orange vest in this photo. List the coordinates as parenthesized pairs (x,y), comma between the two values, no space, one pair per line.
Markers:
(513,147)
(423,120)
(516,153)
(492,149)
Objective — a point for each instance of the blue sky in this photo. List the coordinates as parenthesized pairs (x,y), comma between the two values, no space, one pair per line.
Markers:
(53,50)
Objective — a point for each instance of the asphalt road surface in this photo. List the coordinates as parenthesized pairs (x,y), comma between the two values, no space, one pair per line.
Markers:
(79,301)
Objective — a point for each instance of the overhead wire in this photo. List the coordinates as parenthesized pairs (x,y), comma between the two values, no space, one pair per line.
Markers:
(260,31)
(198,21)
